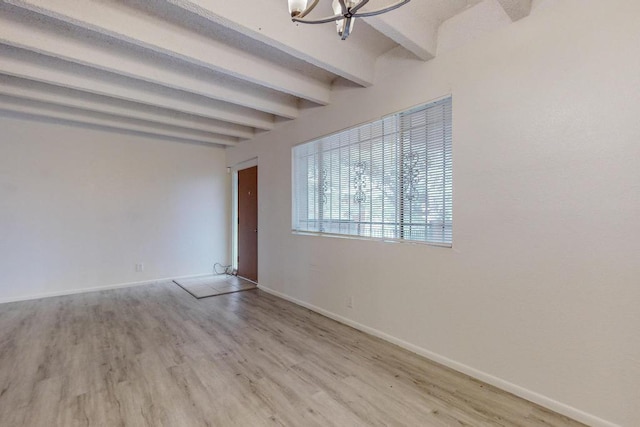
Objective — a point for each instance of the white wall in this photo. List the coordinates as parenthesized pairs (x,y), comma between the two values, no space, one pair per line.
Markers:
(80,207)
(541,290)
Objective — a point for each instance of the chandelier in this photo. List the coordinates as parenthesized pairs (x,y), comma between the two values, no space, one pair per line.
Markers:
(345,13)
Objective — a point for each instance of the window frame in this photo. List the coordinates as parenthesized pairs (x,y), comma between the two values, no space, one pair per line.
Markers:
(401,223)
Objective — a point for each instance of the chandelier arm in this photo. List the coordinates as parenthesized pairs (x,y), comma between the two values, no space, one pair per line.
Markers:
(343,5)
(383,10)
(345,18)
(318,21)
(357,7)
(308,9)
(347,28)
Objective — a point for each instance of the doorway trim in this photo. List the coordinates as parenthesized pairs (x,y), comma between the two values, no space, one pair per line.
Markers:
(234,206)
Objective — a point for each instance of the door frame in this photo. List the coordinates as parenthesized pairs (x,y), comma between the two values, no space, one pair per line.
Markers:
(234,206)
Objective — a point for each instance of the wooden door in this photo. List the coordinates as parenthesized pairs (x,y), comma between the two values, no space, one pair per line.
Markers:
(248,223)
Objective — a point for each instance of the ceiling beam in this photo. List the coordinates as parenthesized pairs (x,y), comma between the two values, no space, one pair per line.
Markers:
(122,22)
(51,73)
(27,89)
(64,46)
(410,28)
(516,9)
(273,26)
(16,105)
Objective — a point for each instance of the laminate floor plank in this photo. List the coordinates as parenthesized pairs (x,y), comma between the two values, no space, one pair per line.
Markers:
(155,356)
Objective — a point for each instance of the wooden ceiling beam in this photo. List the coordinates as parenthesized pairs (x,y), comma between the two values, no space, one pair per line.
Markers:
(119,21)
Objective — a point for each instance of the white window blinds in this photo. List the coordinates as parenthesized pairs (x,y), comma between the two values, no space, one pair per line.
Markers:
(390,179)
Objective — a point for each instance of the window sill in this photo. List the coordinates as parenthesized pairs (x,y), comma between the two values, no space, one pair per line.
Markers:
(371,239)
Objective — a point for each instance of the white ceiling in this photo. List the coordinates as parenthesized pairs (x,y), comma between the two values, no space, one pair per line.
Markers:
(205,71)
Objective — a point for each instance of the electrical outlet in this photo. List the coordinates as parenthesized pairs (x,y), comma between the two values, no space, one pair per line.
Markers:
(350,302)
(139,267)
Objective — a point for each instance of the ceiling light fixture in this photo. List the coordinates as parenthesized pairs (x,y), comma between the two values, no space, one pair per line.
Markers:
(345,13)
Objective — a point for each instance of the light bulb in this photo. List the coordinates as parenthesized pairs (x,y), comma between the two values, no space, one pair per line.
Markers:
(296,7)
(337,9)
(340,26)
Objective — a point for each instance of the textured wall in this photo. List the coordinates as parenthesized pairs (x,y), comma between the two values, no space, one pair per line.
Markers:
(539,293)
(80,207)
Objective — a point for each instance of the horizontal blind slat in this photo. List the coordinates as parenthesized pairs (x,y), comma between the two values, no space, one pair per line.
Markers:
(390,179)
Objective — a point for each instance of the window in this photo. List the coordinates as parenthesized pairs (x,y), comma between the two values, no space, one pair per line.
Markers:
(390,179)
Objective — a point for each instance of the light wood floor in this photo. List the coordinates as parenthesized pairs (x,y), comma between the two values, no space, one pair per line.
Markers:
(155,356)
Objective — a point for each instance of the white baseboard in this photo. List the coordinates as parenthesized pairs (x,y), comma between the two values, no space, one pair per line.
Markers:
(95,288)
(529,395)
